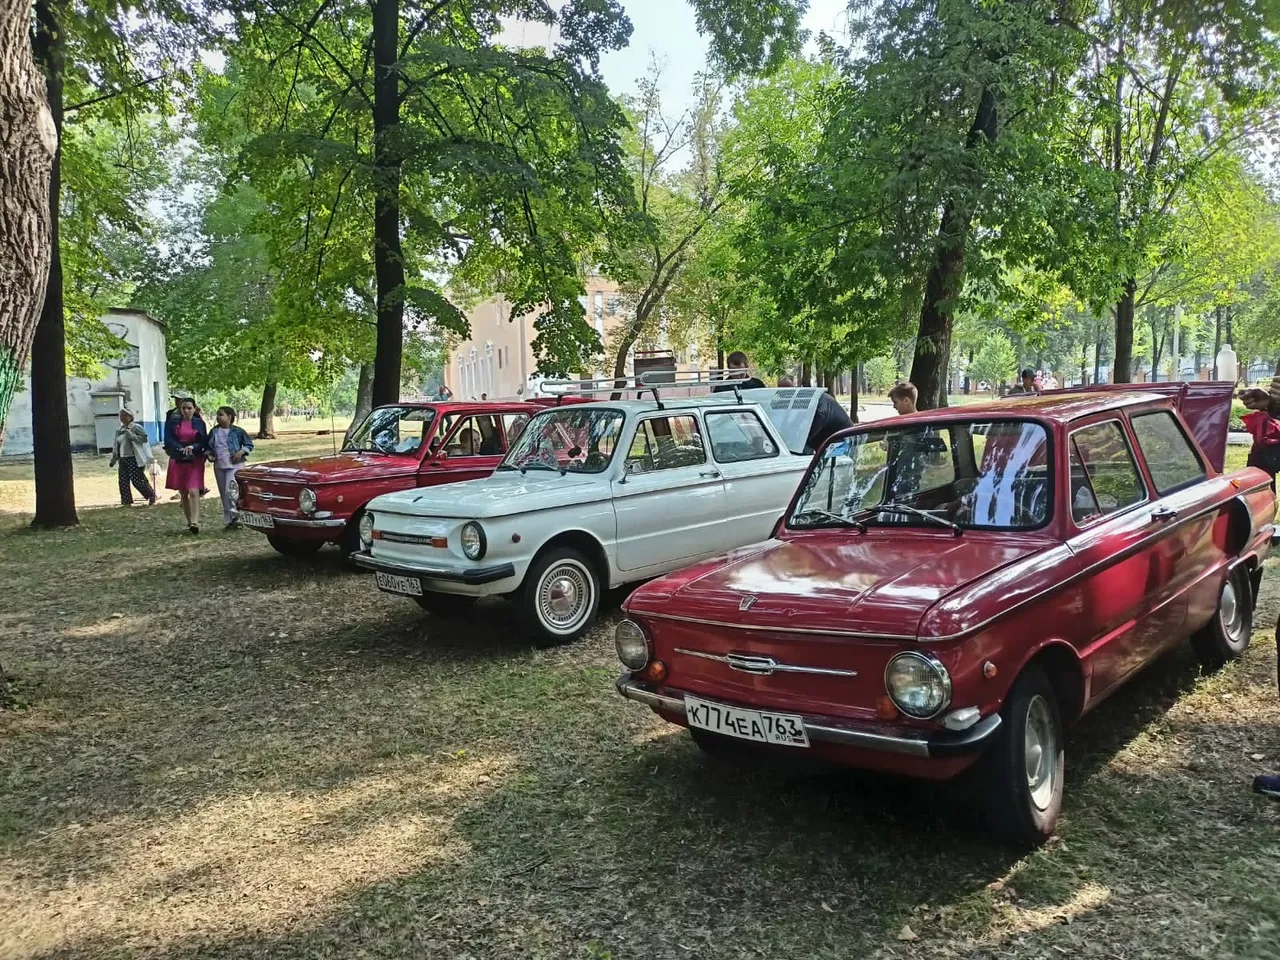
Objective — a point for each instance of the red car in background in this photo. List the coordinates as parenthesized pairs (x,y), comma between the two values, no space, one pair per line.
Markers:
(948,591)
(303,504)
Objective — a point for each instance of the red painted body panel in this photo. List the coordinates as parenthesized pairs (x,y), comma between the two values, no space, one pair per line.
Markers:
(345,482)
(1107,597)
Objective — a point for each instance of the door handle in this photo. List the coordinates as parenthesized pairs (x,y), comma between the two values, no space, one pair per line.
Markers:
(1163,515)
(710,474)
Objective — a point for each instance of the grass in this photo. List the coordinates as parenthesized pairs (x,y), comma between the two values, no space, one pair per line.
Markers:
(222,754)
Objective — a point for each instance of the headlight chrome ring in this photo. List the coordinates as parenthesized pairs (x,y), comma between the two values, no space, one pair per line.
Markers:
(632,644)
(366,531)
(233,490)
(918,684)
(474,543)
(307,500)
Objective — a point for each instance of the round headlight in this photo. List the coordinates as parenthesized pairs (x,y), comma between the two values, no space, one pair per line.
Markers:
(233,490)
(632,645)
(918,684)
(473,542)
(366,531)
(307,500)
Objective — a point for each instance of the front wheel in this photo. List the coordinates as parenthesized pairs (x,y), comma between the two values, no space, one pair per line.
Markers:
(293,548)
(445,605)
(559,597)
(1021,774)
(1226,636)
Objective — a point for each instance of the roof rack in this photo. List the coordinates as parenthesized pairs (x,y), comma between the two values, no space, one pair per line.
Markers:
(645,383)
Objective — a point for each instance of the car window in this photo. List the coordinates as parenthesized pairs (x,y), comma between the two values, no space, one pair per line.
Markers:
(514,424)
(1170,457)
(393,429)
(663,443)
(986,474)
(475,436)
(1104,476)
(738,435)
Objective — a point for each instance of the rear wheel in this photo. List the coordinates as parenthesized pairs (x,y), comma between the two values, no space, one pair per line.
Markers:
(559,597)
(1226,636)
(1021,774)
(293,548)
(445,605)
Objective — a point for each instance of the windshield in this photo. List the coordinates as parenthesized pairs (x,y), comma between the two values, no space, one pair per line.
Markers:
(987,475)
(572,439)
(398,430)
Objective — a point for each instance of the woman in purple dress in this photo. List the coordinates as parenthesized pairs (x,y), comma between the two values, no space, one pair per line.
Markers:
(186,440)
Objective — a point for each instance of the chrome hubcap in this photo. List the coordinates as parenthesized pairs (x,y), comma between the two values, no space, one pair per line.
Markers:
(1041,752)
(564,597)
(1230,612)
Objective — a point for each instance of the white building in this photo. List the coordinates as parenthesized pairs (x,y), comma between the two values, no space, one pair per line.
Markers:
(138,379)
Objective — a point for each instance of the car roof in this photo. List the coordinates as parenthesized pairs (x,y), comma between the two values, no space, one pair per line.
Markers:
(669,403)
(1058,406)
(467,406)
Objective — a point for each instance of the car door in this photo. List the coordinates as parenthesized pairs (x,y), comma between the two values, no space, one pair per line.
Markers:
(670,500)
(759,479)
(1176,473)
(468,446)
(1126,606)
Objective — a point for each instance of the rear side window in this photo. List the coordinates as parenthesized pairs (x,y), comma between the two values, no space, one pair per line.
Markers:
(1170,457)
(738,435)
(663,443)
(478,436)
(1104,476)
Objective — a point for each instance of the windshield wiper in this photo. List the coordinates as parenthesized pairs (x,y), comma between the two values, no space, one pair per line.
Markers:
(833,518)
(894,507)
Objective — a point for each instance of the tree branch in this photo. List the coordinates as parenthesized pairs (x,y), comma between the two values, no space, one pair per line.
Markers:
(111,94)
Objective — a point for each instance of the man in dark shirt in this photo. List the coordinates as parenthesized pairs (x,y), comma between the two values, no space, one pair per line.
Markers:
(828,419)
(739,374)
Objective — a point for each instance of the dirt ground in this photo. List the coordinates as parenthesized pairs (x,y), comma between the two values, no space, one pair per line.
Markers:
(220,753)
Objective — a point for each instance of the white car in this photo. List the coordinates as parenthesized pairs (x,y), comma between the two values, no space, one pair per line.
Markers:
(593,496)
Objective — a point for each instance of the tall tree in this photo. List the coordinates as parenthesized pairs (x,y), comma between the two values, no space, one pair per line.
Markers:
(1164,90)
(28,143)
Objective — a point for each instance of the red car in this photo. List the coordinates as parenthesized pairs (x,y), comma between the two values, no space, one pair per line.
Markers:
(303,504)
(950,590)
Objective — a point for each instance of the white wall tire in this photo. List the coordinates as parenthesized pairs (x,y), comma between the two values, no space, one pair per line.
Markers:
(560,597)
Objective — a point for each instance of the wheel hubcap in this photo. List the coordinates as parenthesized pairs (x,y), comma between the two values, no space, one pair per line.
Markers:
(1230,612)
(1041,752)
(565,597)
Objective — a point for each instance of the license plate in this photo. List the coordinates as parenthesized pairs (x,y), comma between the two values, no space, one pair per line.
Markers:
(262,521)
(394,583)
(762,726)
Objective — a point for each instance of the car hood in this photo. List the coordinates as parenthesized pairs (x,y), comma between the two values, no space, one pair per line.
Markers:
(503,493)
(845,584)
(341,468)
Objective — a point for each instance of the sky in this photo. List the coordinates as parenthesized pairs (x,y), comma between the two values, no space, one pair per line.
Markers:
(666,29)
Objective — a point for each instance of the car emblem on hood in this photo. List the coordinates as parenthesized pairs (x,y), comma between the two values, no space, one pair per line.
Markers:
(746,603)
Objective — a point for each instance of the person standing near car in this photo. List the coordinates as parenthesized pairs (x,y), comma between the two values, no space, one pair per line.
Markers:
(229,447)
(131,452)
(739,375)
(1027,385)
(186,441)
(903,396)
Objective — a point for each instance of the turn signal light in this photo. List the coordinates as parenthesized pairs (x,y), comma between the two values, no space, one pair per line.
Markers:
(886,709)
(376,535)
(655,672)
(989,670)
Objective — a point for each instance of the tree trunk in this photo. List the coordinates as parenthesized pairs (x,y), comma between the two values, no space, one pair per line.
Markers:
(1122,364)
(829,381)
(1277,370)
(388,256)
(267,413)
(806,374)
(719,358)
(364,398)
(1226,327)
(50,424)
(28,142)
(1217,339)
(1084,364)
(1097,359)
(853,393)
(1157,343)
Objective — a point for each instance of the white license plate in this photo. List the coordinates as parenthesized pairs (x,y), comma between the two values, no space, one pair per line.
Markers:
(762,726)
(262,521)
(394,583)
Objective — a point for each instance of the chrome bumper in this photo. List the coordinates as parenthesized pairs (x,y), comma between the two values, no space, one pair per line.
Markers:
(472,575)
(823,730)
(308,524)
